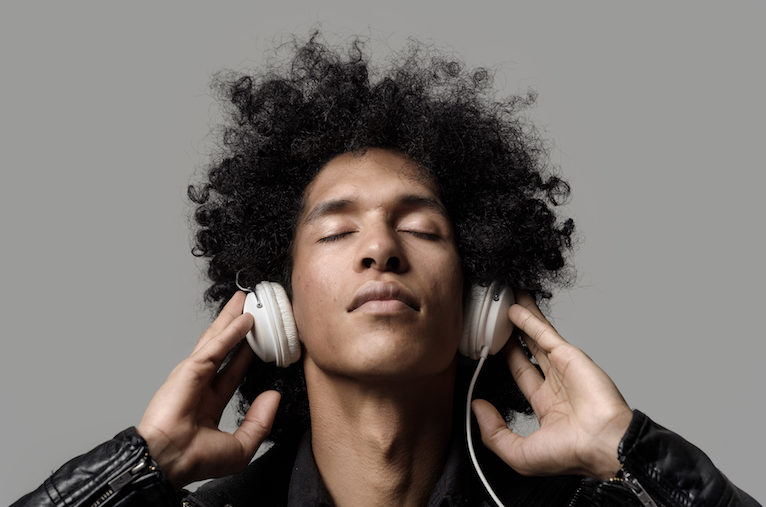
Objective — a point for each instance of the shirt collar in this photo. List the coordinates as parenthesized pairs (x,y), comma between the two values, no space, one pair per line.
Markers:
(307,488)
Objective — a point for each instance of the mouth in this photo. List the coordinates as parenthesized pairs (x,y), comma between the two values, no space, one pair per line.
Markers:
(383,296)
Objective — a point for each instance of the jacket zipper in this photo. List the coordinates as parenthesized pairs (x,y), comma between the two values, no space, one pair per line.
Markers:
(635,486)
(576,496)
(628,481)
(120,481)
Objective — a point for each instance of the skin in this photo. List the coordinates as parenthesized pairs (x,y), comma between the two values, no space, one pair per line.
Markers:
(383,232)
(581,413)
(180,425)
(380,376)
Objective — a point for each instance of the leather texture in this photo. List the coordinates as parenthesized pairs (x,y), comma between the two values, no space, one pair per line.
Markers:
(118,472)
(671,470)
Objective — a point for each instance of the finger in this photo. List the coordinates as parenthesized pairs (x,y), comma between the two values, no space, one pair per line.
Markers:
(537,329)
(232,374)
(526,300)
(523,372)
(230,311)
(539,355)
(214,351)
(257,424)
(496,435)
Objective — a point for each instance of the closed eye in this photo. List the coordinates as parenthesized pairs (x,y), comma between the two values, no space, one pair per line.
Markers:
(334,237)
(423,235)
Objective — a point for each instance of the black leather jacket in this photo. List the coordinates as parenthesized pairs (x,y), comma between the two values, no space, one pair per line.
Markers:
(658,468)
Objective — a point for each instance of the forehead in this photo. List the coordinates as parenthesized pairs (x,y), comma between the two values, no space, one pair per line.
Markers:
(374,173)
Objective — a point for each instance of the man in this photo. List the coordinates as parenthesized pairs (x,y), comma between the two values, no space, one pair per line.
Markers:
(377,206)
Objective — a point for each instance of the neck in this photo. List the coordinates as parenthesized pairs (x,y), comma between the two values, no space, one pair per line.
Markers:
(379,441)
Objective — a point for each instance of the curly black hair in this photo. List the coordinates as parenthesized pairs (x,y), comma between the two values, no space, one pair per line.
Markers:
(284,122)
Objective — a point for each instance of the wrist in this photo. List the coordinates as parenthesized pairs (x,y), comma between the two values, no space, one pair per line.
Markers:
(602,461)
(163,454)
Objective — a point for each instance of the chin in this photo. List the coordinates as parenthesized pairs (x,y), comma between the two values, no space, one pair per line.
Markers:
(392,356)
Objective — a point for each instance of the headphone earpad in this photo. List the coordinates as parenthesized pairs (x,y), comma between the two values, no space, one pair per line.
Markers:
(292,348)
(274,336)
(485,320)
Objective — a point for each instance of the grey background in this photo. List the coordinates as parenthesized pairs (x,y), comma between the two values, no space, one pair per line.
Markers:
(656,113)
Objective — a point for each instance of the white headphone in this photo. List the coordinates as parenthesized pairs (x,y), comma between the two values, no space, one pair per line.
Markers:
(274,336)
(486,329)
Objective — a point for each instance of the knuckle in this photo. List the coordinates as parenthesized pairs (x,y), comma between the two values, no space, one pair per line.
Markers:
(525,320)
(262,426)
(199,365)
(518,371)
(494,436)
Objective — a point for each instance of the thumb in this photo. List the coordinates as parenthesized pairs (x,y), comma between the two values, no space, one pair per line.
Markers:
(496,435)
(257,424)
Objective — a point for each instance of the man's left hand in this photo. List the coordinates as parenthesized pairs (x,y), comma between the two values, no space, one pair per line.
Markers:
(582,415)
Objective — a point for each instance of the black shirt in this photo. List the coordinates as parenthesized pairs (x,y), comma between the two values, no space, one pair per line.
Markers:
(287,475)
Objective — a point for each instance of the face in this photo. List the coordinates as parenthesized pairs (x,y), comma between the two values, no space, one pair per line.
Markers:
(376,279)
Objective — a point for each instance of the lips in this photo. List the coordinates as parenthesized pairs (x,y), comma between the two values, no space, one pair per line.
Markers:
(383,291)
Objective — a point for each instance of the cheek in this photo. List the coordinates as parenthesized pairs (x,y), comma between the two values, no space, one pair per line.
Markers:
(450,279)
(315,294)
(454,294)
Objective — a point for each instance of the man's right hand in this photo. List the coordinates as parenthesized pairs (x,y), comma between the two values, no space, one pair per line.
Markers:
(180,424)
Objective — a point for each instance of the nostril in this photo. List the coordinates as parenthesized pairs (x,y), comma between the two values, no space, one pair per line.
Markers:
(392,264)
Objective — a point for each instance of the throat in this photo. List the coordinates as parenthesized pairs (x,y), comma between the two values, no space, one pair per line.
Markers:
(380,446)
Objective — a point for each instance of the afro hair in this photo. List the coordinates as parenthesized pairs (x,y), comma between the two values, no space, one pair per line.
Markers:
(285,121)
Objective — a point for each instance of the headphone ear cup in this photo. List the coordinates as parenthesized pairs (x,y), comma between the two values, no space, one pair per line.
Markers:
(485,320)
(291,345)
(472,309)
(274,336)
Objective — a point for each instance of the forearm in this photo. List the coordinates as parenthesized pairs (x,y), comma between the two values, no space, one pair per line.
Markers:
(119,470)
(670,470)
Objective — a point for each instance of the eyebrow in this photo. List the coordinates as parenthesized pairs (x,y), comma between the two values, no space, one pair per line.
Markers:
(331,206)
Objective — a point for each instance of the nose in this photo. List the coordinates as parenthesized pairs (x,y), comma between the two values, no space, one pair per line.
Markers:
(380,250)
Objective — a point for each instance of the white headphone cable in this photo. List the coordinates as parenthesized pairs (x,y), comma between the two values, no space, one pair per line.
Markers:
(482,358)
